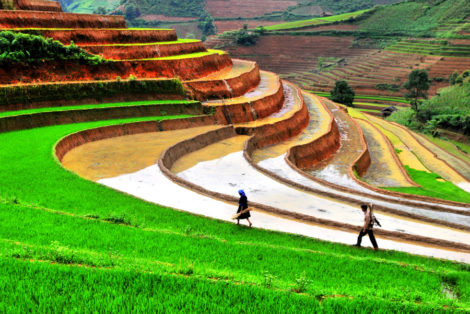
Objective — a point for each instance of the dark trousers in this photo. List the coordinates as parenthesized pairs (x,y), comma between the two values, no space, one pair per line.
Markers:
(371,237)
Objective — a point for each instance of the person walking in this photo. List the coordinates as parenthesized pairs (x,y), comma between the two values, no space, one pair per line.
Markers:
(242,205)
(369,221)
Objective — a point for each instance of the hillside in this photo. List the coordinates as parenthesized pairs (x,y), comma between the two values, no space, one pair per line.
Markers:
(228,15)
(374,50)
(127,151)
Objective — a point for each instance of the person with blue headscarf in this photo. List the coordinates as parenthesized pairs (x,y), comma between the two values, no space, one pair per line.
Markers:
(242,206)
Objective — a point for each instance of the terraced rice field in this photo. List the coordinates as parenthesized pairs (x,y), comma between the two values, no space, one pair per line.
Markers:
(425,155)
(247,8)
(384,170)
(318,125)
(139,206)
(423,47)
(316,21)
(296,58)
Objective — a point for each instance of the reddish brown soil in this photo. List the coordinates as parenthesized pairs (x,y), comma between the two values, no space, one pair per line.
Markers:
(163,18)
(444,67)
(310,154)
(39,5)
(186,69)
(223,26)
(24,19)
(251,110)
(246,8)
(144,51)
(216,88)
(270,134)
(109,36)
(294,54)
(459,41)
(296,58)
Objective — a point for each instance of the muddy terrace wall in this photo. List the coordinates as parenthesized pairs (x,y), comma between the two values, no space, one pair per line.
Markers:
(310,154)
(362,164)
(217,88)
(76,139)
(186,69)
(144,51)
(19,97)
(106,36)
(178,150)
(29,121)
(251,110)
(20,19)
(39,5)
(175,152)
(274,133)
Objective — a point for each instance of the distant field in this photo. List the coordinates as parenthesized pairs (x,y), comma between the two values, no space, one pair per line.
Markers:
(315,21)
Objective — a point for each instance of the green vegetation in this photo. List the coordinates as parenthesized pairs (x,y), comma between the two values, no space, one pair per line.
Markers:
(417,85)
(7,5)
(29,49)
(371,104)
(460,150)
(179,41)
(184,56)
(342,93)
(189,8)
(97,106)
(450,109)
(421,18)
(316,21)
(430,47)
(369,110)
(389,87)
(140,256)
(368,97)
(432,186)
(246,37)
(206,24)
(24,94)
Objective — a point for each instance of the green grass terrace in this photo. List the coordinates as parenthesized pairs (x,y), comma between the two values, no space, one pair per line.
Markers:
(315,21)
(76,245)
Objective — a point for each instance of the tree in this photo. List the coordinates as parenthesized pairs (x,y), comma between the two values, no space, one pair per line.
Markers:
(343,93)
(131,12)
(245,37)
(417,85)
(206,24)
(100,10)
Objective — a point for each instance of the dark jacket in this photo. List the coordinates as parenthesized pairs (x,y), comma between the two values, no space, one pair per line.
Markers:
(243,204)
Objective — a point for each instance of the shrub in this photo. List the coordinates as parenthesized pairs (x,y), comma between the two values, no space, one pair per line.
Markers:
(7,5)
(206,24)
(245,37)
(390,87)
(29,49)
(417,85)
(343,93)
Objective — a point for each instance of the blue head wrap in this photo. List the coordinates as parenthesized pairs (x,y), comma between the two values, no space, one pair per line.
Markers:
(241,192)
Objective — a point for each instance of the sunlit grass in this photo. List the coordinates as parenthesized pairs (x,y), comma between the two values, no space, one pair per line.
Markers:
(64,219)
(432,186)
(315,21)
(93,106)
